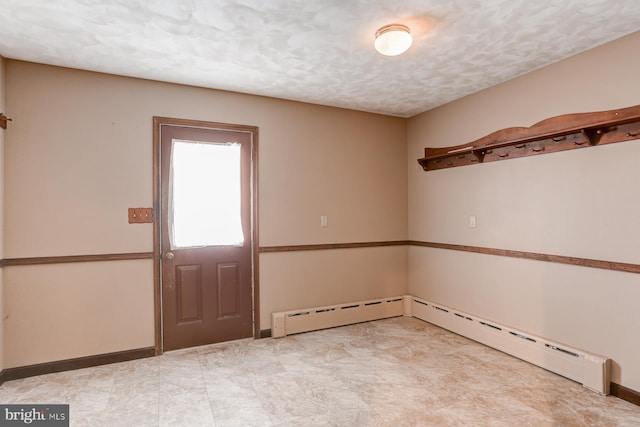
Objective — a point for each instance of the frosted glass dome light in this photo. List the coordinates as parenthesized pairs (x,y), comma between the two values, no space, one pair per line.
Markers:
(392,40)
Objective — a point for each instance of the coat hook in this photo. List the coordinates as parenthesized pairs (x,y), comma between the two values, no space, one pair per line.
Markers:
(3,121)
(633,134)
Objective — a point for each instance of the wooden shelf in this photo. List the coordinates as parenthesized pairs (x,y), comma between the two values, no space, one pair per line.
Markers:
(567,132)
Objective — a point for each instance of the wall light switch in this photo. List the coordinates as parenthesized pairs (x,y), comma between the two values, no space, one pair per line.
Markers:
(140,215)
(472,221)
(323,221)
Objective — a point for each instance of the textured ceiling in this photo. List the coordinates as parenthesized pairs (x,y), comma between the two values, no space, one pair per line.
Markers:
(314,51)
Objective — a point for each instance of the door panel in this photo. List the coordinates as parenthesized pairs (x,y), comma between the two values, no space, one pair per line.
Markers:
(188,293)
(228,295)
(207,293)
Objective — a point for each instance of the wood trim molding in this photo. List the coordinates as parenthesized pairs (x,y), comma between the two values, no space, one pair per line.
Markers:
(255,230)
(265,333)
(624,393)
(325,246)
(559,259)
(157,300)
(13,262)
(77,363)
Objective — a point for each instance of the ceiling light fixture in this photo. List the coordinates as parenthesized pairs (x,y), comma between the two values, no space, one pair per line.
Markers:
(392,40)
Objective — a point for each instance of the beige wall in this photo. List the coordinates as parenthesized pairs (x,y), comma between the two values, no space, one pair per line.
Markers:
(2,298)
(78,154)
(353,274)
(580,203)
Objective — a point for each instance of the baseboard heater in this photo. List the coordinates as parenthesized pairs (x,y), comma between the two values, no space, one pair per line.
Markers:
(311,319)
(590,370)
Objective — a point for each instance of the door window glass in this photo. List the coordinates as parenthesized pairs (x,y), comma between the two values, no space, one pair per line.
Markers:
(204,194)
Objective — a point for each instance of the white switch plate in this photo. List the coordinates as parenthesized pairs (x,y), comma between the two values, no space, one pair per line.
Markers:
(472,221)
(323,221)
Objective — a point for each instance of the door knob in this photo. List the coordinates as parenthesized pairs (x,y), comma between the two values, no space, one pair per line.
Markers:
(169,256)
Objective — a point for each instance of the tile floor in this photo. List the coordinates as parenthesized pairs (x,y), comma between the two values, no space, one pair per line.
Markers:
(394,372)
